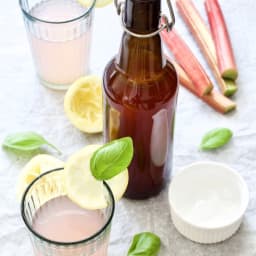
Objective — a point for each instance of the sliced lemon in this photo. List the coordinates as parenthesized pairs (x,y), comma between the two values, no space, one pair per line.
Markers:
(83,188)
(83,104)
(35,167)
(98,4)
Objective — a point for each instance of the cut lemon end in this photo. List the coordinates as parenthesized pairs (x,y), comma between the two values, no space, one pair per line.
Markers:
(98,4)
(118,184)
(83,104)
(83,189)
(35,167)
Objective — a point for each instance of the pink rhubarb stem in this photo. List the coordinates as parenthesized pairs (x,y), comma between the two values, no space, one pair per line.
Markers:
(214,99)
(202,35)
(225,55)
(188,61)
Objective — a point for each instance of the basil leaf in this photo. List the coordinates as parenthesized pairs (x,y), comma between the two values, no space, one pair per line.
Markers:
(145,244)
(26,141)
(112,158)
(216,138)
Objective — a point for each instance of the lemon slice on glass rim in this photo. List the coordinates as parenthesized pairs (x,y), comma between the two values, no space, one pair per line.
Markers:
(35,167)
(83,104)
(98,4)
(83,189)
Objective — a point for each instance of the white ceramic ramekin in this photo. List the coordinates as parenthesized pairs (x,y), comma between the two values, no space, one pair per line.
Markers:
(208,201)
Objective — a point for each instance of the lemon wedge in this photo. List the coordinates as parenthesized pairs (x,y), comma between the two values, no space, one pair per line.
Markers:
(98,4)
(35,167)
(83,188)
(83,104)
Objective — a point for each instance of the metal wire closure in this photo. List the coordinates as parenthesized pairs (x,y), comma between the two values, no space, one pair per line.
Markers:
(165,23)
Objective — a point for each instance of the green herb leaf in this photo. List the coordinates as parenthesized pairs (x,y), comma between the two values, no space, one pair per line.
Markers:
(26,141)
(145,244)
(216,138)
(112,158)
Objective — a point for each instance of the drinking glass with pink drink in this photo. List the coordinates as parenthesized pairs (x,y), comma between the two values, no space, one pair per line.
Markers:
(59,33)
(59,227)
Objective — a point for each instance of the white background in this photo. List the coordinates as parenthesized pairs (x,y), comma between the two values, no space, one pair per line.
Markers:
(26,105)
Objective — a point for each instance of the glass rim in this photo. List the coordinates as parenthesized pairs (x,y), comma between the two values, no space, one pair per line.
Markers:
(34,18)
(58,243)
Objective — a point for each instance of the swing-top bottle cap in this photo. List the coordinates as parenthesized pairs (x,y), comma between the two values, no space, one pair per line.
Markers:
(142,18)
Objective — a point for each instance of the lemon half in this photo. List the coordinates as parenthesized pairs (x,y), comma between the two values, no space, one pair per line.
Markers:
(83,104)
(98,4)
(83,188)
(35,167)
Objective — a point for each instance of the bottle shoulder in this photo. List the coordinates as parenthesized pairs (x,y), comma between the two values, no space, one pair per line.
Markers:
(168,72)
(161,87)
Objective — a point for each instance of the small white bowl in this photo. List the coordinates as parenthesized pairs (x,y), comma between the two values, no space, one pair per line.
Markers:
(208,201)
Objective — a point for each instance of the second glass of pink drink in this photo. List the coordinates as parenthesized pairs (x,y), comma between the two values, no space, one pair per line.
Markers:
(59,227)
(59,33)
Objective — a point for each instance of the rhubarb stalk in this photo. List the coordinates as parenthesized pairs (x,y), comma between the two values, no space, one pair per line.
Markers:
(204,39)
(188,61)
(214,99)
(225,55)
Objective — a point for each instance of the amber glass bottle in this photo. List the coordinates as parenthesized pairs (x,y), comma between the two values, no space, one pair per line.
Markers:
(140,91)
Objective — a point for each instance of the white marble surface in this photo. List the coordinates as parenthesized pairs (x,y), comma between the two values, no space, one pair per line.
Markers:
(26,105)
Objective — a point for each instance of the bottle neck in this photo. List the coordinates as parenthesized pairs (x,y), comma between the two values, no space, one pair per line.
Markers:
(142,16)
(141,58)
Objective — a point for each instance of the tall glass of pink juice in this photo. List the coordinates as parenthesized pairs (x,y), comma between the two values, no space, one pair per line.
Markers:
(59,227)
(59,33)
